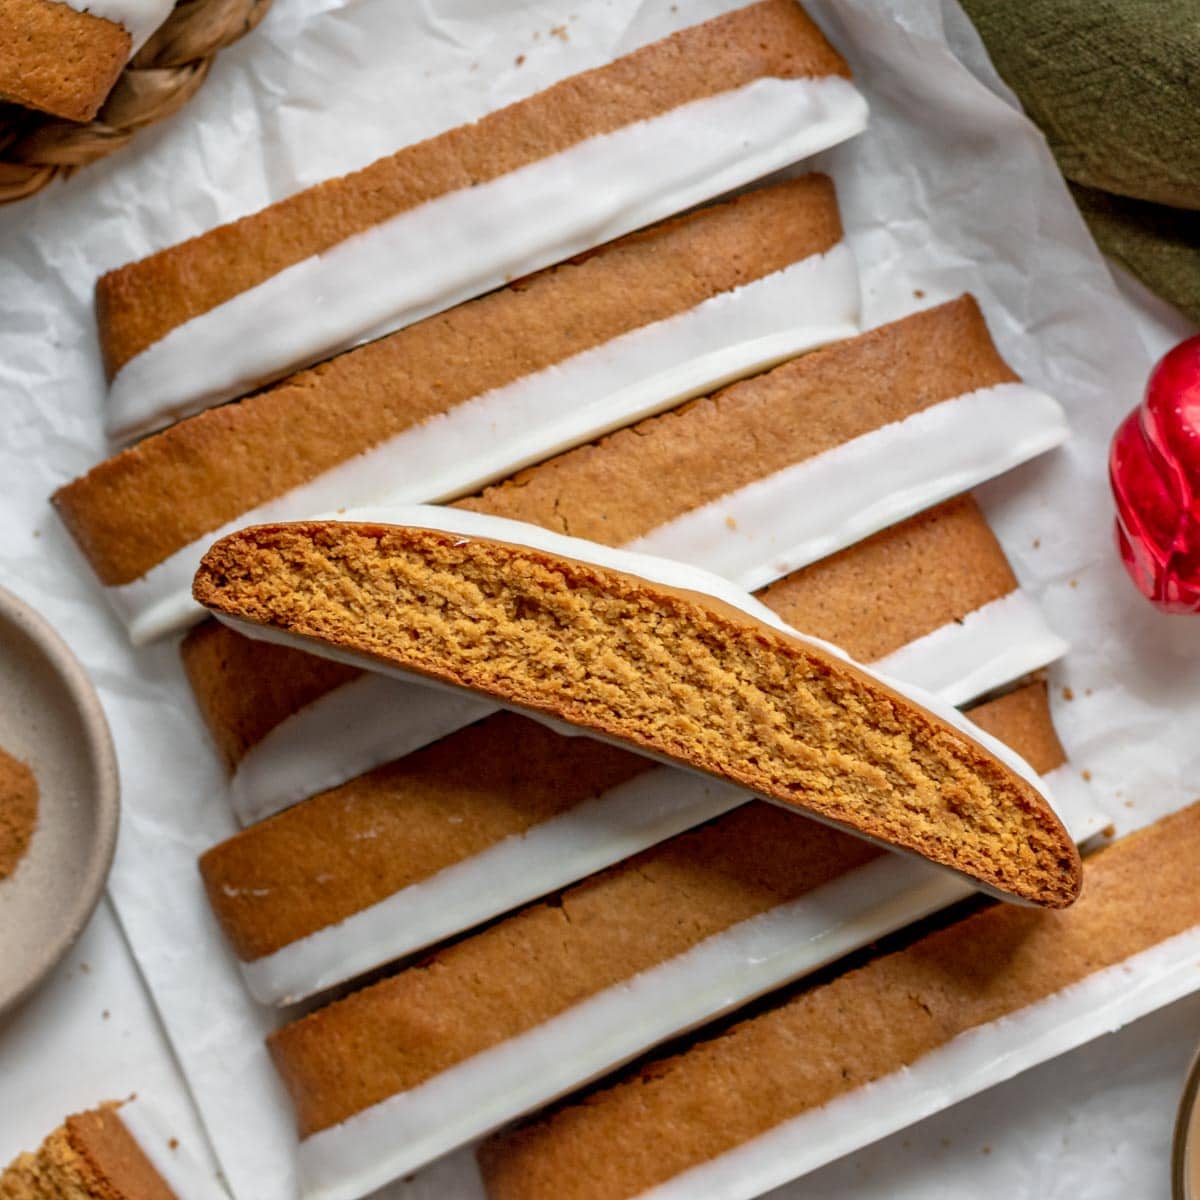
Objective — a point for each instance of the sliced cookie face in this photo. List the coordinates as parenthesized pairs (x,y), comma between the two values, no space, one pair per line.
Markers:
(664,659)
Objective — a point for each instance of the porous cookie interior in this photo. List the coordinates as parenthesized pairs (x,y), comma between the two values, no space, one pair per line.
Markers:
(666,671)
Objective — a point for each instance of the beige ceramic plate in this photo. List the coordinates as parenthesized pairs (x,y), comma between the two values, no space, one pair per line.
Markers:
(51,719)
(1185,1170)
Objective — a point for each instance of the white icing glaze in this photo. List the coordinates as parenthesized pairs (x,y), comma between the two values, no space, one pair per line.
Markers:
(657,366)
(595,834)
(795,517)
(409,1129)
(466,242)
(662,571)
(611,827)
(139,18)
(969,1063)
(824,503)
(179,1170)
(1001,641)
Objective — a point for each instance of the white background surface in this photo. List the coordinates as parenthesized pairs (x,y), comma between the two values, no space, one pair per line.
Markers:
(949,191)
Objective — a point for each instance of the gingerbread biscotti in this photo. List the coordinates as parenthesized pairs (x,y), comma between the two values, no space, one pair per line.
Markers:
(63,58)
(671,124)
(506,810)
(117,1151)
(503,1021)
(451,403)
(753,482)
(58,58)
(667,660)
(834,1067)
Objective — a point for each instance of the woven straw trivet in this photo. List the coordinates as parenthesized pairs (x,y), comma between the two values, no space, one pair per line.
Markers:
(163,76)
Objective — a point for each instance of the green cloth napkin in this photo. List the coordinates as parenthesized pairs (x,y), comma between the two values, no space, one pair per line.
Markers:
(1115,87)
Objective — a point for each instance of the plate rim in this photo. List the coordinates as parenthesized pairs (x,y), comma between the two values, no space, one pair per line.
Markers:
(106,794)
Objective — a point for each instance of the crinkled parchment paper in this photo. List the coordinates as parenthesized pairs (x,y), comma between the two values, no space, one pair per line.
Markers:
(950,190)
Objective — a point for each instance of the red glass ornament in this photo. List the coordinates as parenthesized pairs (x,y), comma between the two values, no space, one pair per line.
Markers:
(1154,466)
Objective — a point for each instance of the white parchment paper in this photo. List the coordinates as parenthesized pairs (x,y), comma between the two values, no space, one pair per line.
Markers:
(950,190)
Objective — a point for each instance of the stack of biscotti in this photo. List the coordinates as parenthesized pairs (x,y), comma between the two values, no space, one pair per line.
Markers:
(816,478)
(116,1151)
(653,133)
(488,818)
(63,58)
(830,1067)
(534,1005)
(753,482)
(444,406)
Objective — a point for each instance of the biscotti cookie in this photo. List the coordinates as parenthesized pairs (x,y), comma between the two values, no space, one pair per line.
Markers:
(63,58)
(665,659)
(526,1009)
(607,151)
(112,1152)
(762,478)
(506,810)
(837,1066)
(451,403)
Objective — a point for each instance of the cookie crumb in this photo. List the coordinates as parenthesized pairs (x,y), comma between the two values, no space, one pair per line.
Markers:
(1068,694)
(1086,775)
(519,60)
(18,811)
